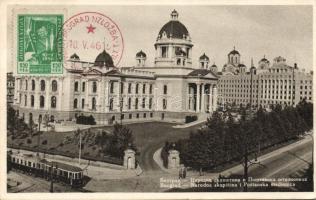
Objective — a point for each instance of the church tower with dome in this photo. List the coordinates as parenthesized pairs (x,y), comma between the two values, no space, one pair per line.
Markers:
(173,45)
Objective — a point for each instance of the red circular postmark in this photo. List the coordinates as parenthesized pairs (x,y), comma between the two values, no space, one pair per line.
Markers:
(87,34)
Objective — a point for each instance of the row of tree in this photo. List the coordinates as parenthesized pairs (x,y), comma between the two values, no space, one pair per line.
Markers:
(227,140)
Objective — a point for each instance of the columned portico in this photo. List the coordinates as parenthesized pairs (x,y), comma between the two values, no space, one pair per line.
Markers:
(201,97)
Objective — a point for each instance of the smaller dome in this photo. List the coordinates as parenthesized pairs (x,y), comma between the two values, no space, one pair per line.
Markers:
(74,57)
(103,60)
(214,66)
(141,54)
(241,65)
(204,57)
(264,59)
(234,52)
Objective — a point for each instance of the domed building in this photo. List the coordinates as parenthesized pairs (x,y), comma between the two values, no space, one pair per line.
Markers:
(173,45)
(233,62)
(169,89)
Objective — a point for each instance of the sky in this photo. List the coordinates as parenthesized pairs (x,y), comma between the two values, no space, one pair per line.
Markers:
(255,31)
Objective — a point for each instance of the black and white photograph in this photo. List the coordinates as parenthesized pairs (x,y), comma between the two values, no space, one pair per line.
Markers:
(158,98)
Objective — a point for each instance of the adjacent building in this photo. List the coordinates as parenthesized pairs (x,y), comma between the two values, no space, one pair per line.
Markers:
(263,85)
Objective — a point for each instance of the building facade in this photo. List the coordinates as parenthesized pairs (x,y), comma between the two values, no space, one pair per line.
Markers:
(168,90)
(265,85)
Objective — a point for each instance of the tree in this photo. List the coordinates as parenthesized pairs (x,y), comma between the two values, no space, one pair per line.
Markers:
(121,139)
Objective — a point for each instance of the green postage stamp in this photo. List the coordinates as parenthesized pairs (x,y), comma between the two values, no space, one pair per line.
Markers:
(40,44)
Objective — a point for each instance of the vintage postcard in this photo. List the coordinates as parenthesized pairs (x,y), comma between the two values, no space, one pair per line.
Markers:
(133,100)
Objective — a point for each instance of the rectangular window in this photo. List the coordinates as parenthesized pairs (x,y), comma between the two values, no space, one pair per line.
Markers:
(164,52)
(150,89)
(83,86)
(129,88)
(144,88)
(165,89)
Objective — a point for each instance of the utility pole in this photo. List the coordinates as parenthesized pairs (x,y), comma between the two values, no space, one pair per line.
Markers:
(246,170)
(51,179)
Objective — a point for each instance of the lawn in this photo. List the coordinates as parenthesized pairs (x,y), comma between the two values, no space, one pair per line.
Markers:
(67,142)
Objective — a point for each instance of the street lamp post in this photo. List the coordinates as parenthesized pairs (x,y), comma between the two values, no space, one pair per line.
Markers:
(78,130)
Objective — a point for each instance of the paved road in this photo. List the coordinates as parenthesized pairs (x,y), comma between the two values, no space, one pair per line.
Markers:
(145,158)
(291,162)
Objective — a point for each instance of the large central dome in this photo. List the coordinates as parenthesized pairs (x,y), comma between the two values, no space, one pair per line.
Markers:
(174,28)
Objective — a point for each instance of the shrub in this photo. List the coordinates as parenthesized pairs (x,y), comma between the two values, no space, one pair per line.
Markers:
(86,120)
(29,141)
(44,142)
(189,119)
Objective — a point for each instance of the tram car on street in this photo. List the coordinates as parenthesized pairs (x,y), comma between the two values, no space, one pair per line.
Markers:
(58,171)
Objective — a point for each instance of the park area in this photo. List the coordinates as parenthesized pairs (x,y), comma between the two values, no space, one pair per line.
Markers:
(146,138)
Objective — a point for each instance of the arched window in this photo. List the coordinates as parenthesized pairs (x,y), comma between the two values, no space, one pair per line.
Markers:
(150,103)
(25,100)
(164,104)
(94,103)
(54,85)
(42,101)
(136,103)
(82,103)
(32,100)
(144,103)
(150,89)
(75,103)
(111,104)
(42,85)
(33,85)
(112,87)
(136,89)
(94,87)
(129,103)
(53,102)
(76,86)
(26,84)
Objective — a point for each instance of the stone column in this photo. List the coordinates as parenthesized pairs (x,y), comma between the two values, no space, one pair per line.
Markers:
(198,97)
(37,93)
(210,106)
(203,98)
(129,159)
(214,98)
(188,97)
(60,93)
(47,91)
(107,95)
(86,101)
(99,97)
